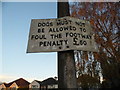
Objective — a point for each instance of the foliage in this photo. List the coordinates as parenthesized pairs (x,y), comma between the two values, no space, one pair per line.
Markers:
(88,70)
(86,81)
(104,18)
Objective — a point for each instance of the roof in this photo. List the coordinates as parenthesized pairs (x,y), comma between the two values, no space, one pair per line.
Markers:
(49,81)
(7,84)
(20,82)
(38,81)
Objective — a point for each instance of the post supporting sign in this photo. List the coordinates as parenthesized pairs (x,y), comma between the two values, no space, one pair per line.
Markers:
(66,64)
(66,33)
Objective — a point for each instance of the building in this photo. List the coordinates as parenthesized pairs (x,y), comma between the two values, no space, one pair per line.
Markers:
(22,84)
(5,86)
(2,86)
(14,85)
(49,83)
(19,84)
(35,85)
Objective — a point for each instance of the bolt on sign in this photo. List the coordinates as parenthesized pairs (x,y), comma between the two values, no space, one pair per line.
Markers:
(66,33)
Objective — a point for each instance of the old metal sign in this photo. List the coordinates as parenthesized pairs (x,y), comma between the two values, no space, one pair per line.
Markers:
(67,33)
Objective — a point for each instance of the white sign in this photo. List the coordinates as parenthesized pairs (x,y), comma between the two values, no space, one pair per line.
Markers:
(67,33)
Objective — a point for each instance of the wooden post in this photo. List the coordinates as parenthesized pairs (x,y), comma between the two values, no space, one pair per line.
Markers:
(66,62)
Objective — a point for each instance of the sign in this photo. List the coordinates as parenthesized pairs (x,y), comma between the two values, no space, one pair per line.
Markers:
(67,33)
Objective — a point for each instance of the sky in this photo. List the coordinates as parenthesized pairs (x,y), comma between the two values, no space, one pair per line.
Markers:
(0,38)
(16,63)
(59,0)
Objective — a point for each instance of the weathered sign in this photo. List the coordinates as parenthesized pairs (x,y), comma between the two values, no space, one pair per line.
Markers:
(67,33)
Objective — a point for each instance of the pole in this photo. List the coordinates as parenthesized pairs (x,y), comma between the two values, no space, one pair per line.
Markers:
(66,62)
